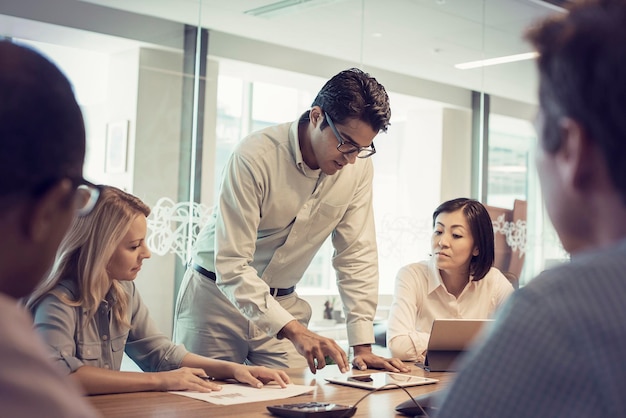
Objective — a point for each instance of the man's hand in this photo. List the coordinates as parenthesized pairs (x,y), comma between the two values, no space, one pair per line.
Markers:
(365,359)
(314,347)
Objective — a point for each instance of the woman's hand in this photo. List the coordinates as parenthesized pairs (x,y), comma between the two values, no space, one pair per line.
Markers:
(185,378)
(257,376)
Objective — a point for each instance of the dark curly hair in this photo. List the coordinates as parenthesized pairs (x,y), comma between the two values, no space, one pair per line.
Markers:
(582,69)
(354,94)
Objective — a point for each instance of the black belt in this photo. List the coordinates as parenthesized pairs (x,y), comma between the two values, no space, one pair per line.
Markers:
(211,276)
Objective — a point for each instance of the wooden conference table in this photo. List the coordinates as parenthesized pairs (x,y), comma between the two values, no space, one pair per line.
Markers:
(162,404)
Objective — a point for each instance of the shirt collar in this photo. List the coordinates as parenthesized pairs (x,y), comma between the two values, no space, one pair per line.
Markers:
(294,142)
(434,279)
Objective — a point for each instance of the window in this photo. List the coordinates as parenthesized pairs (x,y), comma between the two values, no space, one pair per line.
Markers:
(407,167)
(512,175)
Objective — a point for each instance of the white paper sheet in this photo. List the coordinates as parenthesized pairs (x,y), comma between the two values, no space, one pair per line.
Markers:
(232,394)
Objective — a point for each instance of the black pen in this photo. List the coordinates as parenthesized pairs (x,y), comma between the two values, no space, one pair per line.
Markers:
(207,377)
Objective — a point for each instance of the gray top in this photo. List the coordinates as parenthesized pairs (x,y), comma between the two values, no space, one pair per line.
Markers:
(101,342)
(556,349)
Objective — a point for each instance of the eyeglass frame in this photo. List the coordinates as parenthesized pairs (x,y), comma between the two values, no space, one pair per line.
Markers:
(93,196)
(77,183)
(370,149)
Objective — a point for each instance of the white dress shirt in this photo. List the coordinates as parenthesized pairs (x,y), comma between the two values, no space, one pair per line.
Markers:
(273,215)
(421,297)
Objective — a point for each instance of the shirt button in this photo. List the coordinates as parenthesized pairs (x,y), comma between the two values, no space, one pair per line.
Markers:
(106,366)
(105,337)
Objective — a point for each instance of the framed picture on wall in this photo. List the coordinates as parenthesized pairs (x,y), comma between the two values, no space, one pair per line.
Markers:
(116,147)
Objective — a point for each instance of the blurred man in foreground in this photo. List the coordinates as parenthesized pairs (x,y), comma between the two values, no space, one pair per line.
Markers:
(42,148)
(557,349)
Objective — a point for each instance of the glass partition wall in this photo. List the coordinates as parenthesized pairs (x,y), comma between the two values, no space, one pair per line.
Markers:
(168,89)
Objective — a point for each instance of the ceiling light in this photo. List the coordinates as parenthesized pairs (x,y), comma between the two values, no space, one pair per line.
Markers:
(285,7)
(495,61)
(558,5)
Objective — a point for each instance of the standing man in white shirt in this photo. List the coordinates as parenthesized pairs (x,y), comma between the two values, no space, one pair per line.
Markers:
(285,190)
(42,148)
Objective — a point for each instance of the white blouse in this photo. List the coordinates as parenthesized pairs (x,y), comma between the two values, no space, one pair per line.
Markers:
(421,297)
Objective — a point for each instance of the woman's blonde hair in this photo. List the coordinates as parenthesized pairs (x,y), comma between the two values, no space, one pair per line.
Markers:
(86,250)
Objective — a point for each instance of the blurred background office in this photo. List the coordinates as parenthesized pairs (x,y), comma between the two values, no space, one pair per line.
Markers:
(168,87)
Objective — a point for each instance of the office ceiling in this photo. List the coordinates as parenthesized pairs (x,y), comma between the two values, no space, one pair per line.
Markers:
(421,38)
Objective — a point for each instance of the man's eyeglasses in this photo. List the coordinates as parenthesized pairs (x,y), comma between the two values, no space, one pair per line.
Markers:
(345,147)
(86,197)
(86,194)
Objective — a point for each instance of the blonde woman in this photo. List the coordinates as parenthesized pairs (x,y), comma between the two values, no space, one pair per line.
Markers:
(89,312)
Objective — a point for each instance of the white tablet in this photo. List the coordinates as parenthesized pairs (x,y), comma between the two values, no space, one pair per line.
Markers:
(381,380)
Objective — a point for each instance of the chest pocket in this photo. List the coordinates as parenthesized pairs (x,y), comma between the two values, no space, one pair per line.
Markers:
(118,343)
(89,352)
(324,221)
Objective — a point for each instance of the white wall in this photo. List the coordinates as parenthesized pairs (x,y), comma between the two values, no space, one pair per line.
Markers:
(156,163)
(456,154)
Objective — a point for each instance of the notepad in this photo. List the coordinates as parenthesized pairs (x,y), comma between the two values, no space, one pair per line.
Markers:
(238,393)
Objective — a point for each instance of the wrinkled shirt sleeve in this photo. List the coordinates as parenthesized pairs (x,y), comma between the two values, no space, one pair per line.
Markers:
(146,345)
(236,238)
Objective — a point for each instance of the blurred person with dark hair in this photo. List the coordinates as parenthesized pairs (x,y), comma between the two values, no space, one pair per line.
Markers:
(557,347)
(42,149)
(286,189)
(459,280)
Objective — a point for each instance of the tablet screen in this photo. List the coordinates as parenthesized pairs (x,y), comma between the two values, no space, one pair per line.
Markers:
(384,380)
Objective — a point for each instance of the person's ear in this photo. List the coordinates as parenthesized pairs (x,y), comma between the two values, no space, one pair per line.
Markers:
(48,210)
(316,115)
(576,156)
(475,252)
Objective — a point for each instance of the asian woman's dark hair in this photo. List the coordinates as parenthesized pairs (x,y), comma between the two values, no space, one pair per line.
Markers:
(482,230)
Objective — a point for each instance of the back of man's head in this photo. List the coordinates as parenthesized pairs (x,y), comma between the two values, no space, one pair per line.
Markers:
(582,67)
(42,135)
(42,148)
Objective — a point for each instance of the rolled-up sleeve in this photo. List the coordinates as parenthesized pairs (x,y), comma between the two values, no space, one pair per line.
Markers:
(56,322)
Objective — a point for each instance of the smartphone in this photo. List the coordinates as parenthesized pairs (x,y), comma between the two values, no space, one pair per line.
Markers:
(361,378)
